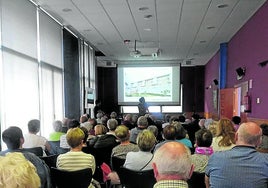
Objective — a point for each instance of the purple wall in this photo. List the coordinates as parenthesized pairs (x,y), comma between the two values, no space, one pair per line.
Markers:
(211,73)
(247,49)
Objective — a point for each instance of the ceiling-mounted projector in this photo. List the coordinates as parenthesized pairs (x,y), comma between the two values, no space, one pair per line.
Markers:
(135,53)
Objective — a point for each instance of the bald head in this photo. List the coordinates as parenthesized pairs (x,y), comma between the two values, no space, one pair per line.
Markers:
(248,134)
(172,161)
(174,149)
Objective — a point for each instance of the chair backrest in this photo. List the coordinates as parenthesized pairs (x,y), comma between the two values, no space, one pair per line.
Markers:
(54,147)
(50,160)
(103,155)
(136,179)
(197,180)
(70,179)
(116,163)
(38,151)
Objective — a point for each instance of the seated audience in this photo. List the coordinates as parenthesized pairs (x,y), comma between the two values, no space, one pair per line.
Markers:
(55,136)
(264,141)
(16,171)
(99,130)
(86,136)
(225,136)
(127,121)
(173,119)
(120,151)
(142,160)
(111,125)
(142,124)
(172,166)
(99,116)
(241,166)
(113,115)
(104,120)
(169,134)
(83,118)
(65,122)
(166,120)
(236,120)
(212,127)
(13,138)
(182,119)
(202,123)
(192,127)
(31,139)
(181,135)
(151,119)
(154,130)
(89,128)
(135,118)
(75,159)
(63,141)
(105,143)
(93,122)
(203,150)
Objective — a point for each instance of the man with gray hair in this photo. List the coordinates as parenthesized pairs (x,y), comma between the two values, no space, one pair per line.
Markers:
(172,165)
(112,124)
(142,124)
(242,166)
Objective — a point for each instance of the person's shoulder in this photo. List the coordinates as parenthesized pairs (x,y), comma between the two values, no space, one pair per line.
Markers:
(131,154)
(262,155)
(33,158)
(3,153)
(63,136)
(133,129)
(88,155)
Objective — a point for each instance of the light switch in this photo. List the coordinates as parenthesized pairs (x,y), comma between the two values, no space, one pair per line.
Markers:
(250,84)
(258,100)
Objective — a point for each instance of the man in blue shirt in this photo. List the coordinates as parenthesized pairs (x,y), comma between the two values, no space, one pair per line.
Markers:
(14,139)
(241,166)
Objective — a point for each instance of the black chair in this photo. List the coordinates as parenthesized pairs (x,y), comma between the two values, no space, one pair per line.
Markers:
(197,180)
(116,163)
(54,147)
(63,150)
(103,155)
(136,179)
(50,160)
(70,179)
(38,151)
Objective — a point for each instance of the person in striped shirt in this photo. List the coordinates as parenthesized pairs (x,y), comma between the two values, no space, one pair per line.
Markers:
(75,159)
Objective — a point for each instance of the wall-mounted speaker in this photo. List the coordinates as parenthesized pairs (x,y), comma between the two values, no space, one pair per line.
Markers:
(240,73)
(216,82)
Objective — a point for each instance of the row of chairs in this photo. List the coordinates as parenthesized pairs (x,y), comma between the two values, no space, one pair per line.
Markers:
(132,179)
(128,178)
(55,149)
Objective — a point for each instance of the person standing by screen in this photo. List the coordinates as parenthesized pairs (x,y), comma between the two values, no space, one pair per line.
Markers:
(143,107)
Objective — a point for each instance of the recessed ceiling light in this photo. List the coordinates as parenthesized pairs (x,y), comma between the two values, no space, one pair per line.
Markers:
(203,41)
(222,5)
(147,29)
(143,8)
(210,27)
(66,10)
(147,17)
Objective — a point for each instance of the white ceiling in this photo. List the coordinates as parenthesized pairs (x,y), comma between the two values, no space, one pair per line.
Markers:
(179,29)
